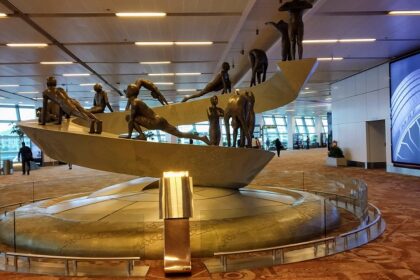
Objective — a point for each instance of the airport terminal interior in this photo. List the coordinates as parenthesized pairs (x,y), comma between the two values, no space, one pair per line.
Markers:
(240,139)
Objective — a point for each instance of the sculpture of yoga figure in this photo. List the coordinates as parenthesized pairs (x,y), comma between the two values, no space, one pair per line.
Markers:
(221,81)
(296,27)
(67,105)
(259,64)
(214,114)
(283,28)
(142,116)
(100,100)
(154,91)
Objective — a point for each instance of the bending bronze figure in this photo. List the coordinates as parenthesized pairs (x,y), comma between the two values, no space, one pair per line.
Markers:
(154,91)
(283,28)
(67,105)
(142,115)
(221,81)
(100,100)
(296,26)
(259,64)
(214,114)
(240,108)
(52,115)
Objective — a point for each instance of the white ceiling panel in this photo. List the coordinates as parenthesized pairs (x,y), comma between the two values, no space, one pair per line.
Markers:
(25,34)
(19,55)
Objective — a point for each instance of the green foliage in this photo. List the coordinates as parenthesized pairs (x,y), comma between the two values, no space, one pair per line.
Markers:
(335,152)
(16,130)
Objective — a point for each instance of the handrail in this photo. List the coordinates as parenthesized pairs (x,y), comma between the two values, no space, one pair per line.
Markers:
(378,216)
(28,255)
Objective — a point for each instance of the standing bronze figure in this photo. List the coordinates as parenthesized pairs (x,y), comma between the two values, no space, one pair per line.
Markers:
(142,115)
(221,81)
(154,91)
(67,105)
(100,100)
(240,108)
(283,28)
(214,114)
(296,27)
(259,64)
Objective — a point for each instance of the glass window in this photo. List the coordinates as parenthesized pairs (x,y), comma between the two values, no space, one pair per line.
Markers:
(299,121)
(27,114)
(282,129)
(311,129)
(5,128)
(185,128)
(268,120)
(309,122)
(202,128)
(301,129)
(280,121)
(8,114)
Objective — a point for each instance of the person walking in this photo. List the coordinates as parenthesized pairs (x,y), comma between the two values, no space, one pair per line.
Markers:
(26,154)
(278,146)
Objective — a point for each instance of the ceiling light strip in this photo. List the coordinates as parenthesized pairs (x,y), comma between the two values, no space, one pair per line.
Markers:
(202,43)
(154,62)
(404,13)
(3,15)
(28,92)
(330,58)
(141,14)
(9,85)
(56,62)
(75,74)
(362,40)
(27,45)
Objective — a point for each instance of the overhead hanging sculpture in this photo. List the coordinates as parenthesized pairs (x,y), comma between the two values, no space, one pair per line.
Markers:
(259,64)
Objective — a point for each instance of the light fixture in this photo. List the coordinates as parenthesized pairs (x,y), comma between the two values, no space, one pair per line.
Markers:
(3,15)
(161,74)
(86,85)
(328,98)
(9,85)
(357,40)
(205,43)
(185,89)
(188,74)
(290,110)
(28,92)
(404,13)
(326,41)
(154,43)
(56,62)
(75,74)
(155,62)
(141,14)
(27,45)
(306,88)
(330,58)
(164,83)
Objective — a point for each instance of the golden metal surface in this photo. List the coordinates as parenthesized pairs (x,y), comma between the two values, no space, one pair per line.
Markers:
(177,253)
(175,197)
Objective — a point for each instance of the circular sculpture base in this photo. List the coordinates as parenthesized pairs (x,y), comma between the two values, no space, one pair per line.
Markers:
(123,220)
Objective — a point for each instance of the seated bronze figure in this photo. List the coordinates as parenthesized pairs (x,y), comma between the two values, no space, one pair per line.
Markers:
(100,100)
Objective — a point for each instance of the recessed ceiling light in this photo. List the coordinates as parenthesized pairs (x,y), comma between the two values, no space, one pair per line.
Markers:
(306,88)
(161,74)
(188,74)
(27,45)
(155,62)
(328,98)
(404,13)
(86,85)
(330,58)
(290,110)
(357,40)
(2,15)
(327,41)
(186,89)
(28,92)
(154,43)
(38,98)
(141,14)
(56,62)
(164,83)
(194,43)
(75,74)
(9,85)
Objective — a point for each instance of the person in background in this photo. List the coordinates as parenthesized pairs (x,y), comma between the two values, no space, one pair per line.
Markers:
(307,142)
(267,144)
(26,154)
(278,146)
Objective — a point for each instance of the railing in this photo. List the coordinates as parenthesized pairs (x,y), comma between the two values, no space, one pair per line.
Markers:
(66,259)
(344,238)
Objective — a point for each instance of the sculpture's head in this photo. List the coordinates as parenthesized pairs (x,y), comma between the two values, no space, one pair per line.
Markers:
(225,66)
(97,88)
(131,91)
(51,82)
(214,100)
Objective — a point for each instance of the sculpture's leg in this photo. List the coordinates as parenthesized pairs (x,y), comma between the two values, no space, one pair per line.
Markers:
(60,116)
(201,93)
(265,72)
(91,126)
(299,41)
(244,132)
(253,76)
(174,131)
(227,128)
(140,131)
(259,77)
(98,127)
(235,136)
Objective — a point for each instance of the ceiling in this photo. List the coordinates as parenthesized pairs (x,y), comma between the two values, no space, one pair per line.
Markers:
(88,33)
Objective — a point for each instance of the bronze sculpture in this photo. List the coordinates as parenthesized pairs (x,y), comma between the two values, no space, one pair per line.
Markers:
(100,100)
(52,115)
(296,27)
(259,64)
(240,108)
(221,81)
(214,113)
(142,115)
(154,91)
(283,28)
(67,105)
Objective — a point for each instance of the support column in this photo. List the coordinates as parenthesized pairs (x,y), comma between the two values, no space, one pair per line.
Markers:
(291,126)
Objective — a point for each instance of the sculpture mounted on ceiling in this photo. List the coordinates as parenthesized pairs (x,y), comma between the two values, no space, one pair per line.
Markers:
(100,100)
(240,109)
(296,26)
(259,64)
(283,28)
(214,114)
(154,91)
(67,105)
(221,81)
(142,116)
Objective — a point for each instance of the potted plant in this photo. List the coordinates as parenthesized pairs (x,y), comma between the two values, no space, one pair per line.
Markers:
(336,156)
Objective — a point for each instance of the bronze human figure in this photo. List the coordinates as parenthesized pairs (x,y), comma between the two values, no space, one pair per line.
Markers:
(67,105)
(142,115)
(239,108)
(221,81)
(296,27)
(52,115)
(283,28)
(100,100)
(154,91)
(259,64)
(214,114)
